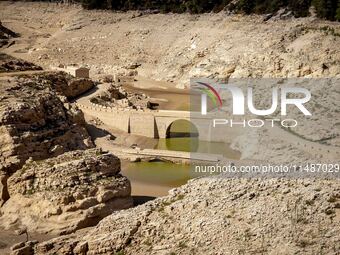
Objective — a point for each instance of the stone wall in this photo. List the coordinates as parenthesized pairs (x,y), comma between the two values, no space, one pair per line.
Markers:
(154,124)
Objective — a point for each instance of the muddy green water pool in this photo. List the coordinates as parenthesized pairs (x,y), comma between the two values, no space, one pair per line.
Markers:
(156,178)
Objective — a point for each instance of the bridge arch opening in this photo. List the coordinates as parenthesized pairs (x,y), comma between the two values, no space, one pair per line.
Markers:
(181,128)
(181,135)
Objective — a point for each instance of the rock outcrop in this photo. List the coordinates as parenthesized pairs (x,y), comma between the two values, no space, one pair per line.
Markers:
(11,64)
(62,194)
(3,188)
(23,248)
(65,84)
(118,97)
(220,216)
(36,122)
(6,34)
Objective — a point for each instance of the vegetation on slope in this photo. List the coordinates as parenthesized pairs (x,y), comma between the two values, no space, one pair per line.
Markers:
(325,9)
(328,9)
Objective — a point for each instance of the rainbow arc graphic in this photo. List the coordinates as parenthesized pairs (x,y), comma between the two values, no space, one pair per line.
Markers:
(211,92)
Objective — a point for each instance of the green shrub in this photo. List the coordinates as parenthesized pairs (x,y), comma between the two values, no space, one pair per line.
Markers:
(327,9)
(337,16)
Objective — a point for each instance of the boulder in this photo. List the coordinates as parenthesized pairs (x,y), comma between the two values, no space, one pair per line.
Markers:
(65,84)
(62,194)
(36,122)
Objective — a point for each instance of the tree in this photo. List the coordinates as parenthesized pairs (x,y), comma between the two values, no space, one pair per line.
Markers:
(300,8)
(337,17)
(246,6)
(326,8)
(94,4)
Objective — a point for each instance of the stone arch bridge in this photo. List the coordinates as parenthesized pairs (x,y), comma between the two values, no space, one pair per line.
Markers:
(153,124)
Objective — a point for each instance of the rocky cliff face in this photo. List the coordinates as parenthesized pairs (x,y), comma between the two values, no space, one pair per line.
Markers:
(220,216)
(37,123)
(66,193)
